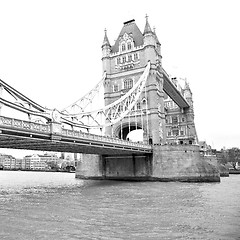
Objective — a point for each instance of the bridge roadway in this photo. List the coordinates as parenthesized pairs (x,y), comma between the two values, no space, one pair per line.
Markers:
(20,134)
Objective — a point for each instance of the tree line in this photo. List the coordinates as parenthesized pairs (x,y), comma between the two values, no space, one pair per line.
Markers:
(231,155)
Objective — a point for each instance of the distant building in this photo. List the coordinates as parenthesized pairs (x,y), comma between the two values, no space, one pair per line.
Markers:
(69,159)
(38,162)
(8,162)
(206,149)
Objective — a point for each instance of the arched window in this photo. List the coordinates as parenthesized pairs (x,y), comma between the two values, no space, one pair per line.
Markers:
(128,83)
(144,103)
(123,47)
(124,59)
(129,46)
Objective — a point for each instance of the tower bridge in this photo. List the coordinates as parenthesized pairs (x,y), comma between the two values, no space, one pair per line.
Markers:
(138,94)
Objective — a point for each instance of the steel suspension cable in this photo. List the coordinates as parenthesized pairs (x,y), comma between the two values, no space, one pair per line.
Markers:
(146,112)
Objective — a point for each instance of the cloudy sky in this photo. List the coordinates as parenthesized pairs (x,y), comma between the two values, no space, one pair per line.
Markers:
(50,50)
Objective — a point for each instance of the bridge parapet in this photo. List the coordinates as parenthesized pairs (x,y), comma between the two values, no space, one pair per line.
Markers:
(22,124)
(17,127)
(89,136)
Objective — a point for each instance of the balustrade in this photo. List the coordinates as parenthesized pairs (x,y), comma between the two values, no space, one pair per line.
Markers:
(36,127)
(21,124)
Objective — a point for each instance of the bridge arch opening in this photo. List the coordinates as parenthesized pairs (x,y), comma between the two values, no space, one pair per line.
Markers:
(135,135)
(131,133)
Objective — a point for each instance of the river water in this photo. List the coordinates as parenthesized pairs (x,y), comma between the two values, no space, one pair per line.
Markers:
(44,205)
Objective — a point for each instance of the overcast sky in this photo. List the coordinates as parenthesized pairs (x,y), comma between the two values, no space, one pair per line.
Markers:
(50,50)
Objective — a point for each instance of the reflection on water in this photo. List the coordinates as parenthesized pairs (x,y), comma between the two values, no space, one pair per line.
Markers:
(40,205)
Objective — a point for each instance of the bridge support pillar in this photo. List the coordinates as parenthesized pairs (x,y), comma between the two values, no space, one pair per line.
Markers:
(91,166)
(167,163)
(182,163)
(125,167)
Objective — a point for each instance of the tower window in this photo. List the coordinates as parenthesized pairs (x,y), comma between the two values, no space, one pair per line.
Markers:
(144,103)
(175,120)
(175,132)
(128,83)
(115,88)
(138,106)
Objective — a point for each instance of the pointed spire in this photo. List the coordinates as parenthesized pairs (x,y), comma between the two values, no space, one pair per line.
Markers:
(186,85)
(147,28)
(154,32)
(105,40)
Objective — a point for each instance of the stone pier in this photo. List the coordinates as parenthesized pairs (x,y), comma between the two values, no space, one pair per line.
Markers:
(167,163)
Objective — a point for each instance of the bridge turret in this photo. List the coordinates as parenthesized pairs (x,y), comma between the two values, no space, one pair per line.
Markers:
(188,93)
(151,43)
(106,50)
(148,33)
(158,47)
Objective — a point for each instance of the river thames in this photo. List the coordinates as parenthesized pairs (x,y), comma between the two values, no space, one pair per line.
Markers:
(44,205)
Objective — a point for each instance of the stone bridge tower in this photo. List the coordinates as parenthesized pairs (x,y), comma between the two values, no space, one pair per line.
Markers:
(175,157)
(124,63)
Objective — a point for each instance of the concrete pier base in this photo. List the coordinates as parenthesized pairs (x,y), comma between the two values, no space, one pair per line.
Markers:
(167,163)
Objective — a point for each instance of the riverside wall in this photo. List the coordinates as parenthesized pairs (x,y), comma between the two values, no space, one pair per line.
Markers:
(167,163)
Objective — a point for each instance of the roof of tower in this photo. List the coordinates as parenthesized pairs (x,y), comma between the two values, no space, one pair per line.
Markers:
(147,28)
(154,32)
(186,86)
(132,29)
(105,40)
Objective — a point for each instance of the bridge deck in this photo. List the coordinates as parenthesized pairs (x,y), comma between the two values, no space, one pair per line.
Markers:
(19,134)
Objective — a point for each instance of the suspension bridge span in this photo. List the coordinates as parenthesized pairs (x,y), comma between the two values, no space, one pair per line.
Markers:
(136,94)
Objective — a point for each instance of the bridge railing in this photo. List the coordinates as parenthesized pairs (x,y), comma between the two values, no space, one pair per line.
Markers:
(31,127)
(25,125)
(90,136)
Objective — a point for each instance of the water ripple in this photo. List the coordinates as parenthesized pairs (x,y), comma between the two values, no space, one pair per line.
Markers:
(58,206)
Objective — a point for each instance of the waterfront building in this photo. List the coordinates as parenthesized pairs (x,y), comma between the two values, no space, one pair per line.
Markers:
(70,159)
(34,162)
(206,149)
(39,162)
(8,162)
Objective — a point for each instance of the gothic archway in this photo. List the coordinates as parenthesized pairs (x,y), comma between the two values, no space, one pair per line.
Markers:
(124,131)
